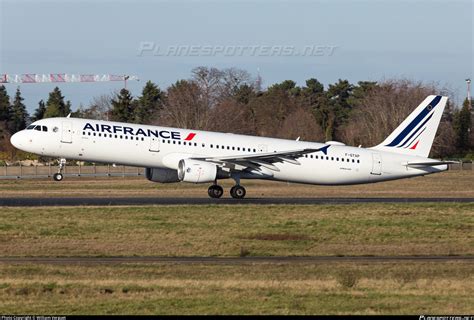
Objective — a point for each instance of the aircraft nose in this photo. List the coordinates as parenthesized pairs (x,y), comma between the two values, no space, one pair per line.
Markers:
(16,140)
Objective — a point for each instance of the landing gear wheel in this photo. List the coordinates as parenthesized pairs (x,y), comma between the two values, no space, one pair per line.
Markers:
(237,192)
(215,191)
(58,176)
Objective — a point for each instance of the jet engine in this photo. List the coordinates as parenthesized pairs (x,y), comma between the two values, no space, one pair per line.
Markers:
(196,171)
(162,175)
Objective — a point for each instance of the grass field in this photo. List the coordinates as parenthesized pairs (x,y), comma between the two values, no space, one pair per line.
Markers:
(219,230)
(255,230)
(337,288)
(447,184)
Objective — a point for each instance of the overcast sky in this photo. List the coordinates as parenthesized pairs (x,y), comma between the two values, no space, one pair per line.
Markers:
(354,40)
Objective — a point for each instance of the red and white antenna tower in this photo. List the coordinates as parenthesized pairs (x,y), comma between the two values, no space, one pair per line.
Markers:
(63,77)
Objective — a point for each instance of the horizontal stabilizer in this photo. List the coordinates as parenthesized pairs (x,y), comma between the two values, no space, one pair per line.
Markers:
(429,164)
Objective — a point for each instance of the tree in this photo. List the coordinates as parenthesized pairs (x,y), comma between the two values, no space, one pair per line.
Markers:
(19,115)
(55,106)
(122,106)
(148,105)
(39,112)
(186,107)
(463,126)
(99,108)
(4,104)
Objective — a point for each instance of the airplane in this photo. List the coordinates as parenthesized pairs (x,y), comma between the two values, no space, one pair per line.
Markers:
(173,155)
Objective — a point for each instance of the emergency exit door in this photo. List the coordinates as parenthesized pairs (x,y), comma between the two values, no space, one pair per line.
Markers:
(154,145)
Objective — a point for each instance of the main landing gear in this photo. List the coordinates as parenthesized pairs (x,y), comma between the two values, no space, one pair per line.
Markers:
(58,176)
(237,191)
(216,191)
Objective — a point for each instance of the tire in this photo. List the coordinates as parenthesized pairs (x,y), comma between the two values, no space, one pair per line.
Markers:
(215,191)
(238,192)
(58,176)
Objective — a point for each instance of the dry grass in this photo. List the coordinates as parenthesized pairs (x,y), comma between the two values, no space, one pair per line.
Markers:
(216,230)
(447,184)
(378,288)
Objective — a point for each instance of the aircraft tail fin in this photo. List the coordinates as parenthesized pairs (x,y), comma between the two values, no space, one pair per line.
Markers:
(416,133)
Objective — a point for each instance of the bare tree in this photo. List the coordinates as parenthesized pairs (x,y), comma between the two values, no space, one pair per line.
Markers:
(185,107)
(382,110)
(301,123)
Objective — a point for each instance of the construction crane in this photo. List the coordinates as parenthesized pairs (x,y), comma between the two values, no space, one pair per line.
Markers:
(63,77)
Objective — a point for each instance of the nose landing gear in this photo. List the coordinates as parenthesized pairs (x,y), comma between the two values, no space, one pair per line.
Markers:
(59,175)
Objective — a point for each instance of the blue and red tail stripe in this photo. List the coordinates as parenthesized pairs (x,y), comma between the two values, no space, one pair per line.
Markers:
(410,128)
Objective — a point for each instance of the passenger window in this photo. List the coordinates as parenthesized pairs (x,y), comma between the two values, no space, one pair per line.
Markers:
(316,157)
(238,148)
(254,150)
(233,148)
(311,156)
(358,161)
(195,144)
(211,145)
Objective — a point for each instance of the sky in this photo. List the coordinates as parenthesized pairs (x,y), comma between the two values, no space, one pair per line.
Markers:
(163,41)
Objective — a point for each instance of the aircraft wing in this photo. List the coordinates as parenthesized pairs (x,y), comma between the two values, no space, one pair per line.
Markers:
(429,163)
(257,160)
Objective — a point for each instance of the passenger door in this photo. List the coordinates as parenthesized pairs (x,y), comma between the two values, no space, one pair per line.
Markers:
(66,133)
(376,164)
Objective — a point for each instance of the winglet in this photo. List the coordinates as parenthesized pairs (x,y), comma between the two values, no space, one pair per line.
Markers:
(324,149)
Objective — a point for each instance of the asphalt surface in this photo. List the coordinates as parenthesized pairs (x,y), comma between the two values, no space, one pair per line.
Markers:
(229,260)
(135,201)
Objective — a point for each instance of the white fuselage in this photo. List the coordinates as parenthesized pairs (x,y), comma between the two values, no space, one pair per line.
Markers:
(162,147)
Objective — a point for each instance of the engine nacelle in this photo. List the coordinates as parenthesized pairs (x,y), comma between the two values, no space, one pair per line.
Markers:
(196,171)
(162,175)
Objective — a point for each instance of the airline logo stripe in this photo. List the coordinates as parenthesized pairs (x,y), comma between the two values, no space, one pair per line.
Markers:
(419,134)
(414,132)
(190,137)
(415,122)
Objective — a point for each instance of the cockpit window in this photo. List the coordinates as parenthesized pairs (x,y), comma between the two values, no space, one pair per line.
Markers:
(45,128)
(30,127)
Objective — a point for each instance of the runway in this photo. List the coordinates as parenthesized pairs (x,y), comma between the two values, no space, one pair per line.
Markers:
(137,201)
(229,260)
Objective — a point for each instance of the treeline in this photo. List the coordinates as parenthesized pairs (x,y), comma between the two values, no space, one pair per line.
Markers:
(231,100)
